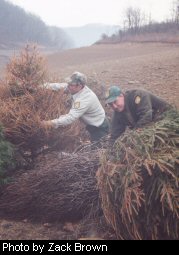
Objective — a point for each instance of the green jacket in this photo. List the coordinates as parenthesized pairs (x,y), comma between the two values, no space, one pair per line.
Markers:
(141,107)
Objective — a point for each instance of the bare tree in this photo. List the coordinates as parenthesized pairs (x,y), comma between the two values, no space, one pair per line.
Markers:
(134,19)
(129,21)
(175,12)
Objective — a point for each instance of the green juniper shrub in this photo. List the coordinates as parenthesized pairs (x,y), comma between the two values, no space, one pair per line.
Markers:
(6,157)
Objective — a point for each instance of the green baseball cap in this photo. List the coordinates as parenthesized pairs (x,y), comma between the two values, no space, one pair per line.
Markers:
(112,94)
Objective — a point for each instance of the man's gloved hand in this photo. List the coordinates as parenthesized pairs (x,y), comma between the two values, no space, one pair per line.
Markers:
(47,124)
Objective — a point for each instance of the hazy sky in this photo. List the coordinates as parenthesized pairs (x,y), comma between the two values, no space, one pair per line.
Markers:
(64,13)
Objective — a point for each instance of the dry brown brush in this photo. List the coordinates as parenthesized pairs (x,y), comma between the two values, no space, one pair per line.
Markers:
(21,120)
(60,187)
(139,182)
(25,103)
(26,71)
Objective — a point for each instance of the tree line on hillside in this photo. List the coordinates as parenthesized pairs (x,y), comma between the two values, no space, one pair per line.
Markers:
(18,26)
(136,24)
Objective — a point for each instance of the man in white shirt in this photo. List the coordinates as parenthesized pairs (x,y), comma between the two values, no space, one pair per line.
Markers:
(85,106)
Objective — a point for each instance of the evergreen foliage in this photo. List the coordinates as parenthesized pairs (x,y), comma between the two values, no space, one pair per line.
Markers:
(139,181)
(6,157)
(25,102)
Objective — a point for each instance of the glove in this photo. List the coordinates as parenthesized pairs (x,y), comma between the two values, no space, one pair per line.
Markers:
(47,124)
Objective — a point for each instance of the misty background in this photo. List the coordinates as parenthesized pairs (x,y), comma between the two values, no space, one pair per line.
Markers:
(19,27)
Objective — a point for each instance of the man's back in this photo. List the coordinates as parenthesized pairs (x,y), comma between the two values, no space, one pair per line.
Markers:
(141,107)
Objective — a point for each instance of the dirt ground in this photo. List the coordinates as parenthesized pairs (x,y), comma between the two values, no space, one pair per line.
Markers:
(146,65)
(149,65)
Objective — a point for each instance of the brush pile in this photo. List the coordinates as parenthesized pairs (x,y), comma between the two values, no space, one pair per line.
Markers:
(139,181)
(61,187)
(25,103)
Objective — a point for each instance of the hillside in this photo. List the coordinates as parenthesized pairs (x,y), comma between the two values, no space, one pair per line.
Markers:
(18,27)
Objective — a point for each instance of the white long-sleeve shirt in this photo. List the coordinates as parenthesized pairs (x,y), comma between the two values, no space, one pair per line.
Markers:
(86,106)
(54,86)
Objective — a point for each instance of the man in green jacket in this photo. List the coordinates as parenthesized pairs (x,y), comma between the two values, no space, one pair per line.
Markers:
(133,109)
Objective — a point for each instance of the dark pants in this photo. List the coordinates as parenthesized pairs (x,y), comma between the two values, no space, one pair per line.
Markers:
(96,133)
